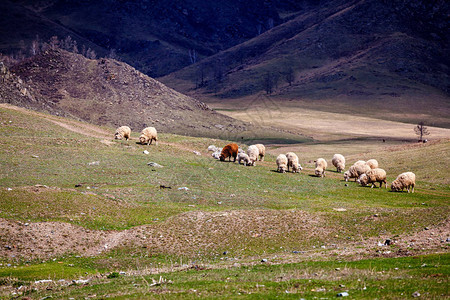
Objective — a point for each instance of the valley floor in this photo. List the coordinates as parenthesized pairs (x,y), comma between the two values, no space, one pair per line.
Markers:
(82,215)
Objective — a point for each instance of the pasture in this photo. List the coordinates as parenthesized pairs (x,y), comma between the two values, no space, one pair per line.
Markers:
(77,205)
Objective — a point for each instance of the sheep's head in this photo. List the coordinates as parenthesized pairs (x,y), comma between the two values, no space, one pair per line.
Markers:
(296,168)
(346,175)
(396,186)
(282,169)
(318,171)
(118,136)
(363,179)
(143,139)
(340,167)
(222,157)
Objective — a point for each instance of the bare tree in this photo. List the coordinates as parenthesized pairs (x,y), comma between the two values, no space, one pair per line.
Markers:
(193,56)
(200,76)
(270,23)
(75,47)
(421,130)
(259,28)
(90,53)
(269,82)
(54,42)
(290,75)
(113,54)
(67,43)
(35,46)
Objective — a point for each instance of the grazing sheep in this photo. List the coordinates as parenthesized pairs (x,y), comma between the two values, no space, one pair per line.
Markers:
(293,162)
(372,163)
(321,165)
(405,180)
(213,148)
(356,170)
(338,161)
(216,154)
(243,157)
(122,132)
(230,150)
(282,162)
(372,176)
(262,151)
(359,162)
(253,153)
(148,135)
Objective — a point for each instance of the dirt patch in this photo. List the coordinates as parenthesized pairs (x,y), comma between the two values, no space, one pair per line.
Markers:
(186,233)
(193,232)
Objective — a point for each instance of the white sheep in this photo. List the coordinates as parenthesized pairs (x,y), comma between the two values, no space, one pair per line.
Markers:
(262,151)
(356,170)
(253,153)
(122,132)
(212,148)
(321,165)
(293,162)
(148,135)
(216,154)
(372,176)
(372,163)
(338,161)
(282,162)
(359,162)
(243,157)
(405,180)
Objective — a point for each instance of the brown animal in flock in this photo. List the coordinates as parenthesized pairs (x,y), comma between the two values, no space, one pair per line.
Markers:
(230,150)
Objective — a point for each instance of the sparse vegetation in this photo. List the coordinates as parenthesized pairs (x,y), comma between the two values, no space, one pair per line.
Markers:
(228,220)
(421,130)
(85,215)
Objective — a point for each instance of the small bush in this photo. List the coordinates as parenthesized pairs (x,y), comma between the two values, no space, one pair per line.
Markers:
(113,275)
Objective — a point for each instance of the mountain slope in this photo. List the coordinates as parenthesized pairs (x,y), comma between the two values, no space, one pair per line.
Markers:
(19,26)
(107,92)
(157,37)
(351,51)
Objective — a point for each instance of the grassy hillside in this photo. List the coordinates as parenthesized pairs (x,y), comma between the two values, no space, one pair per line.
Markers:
(109,92)
(76,204)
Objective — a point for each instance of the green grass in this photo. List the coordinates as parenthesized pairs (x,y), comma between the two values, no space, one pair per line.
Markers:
(249,212)
(383,278)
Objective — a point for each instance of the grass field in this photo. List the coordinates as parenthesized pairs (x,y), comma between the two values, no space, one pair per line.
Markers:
(75,204)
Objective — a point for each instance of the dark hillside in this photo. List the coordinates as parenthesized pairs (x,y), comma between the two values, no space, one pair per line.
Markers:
(352,51)
(19,26)
(157,37)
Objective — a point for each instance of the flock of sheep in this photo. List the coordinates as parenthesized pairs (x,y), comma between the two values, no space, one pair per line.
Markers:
(148,134)
(364,172)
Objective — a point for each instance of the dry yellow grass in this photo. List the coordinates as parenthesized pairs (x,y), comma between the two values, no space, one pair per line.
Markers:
(326,126)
